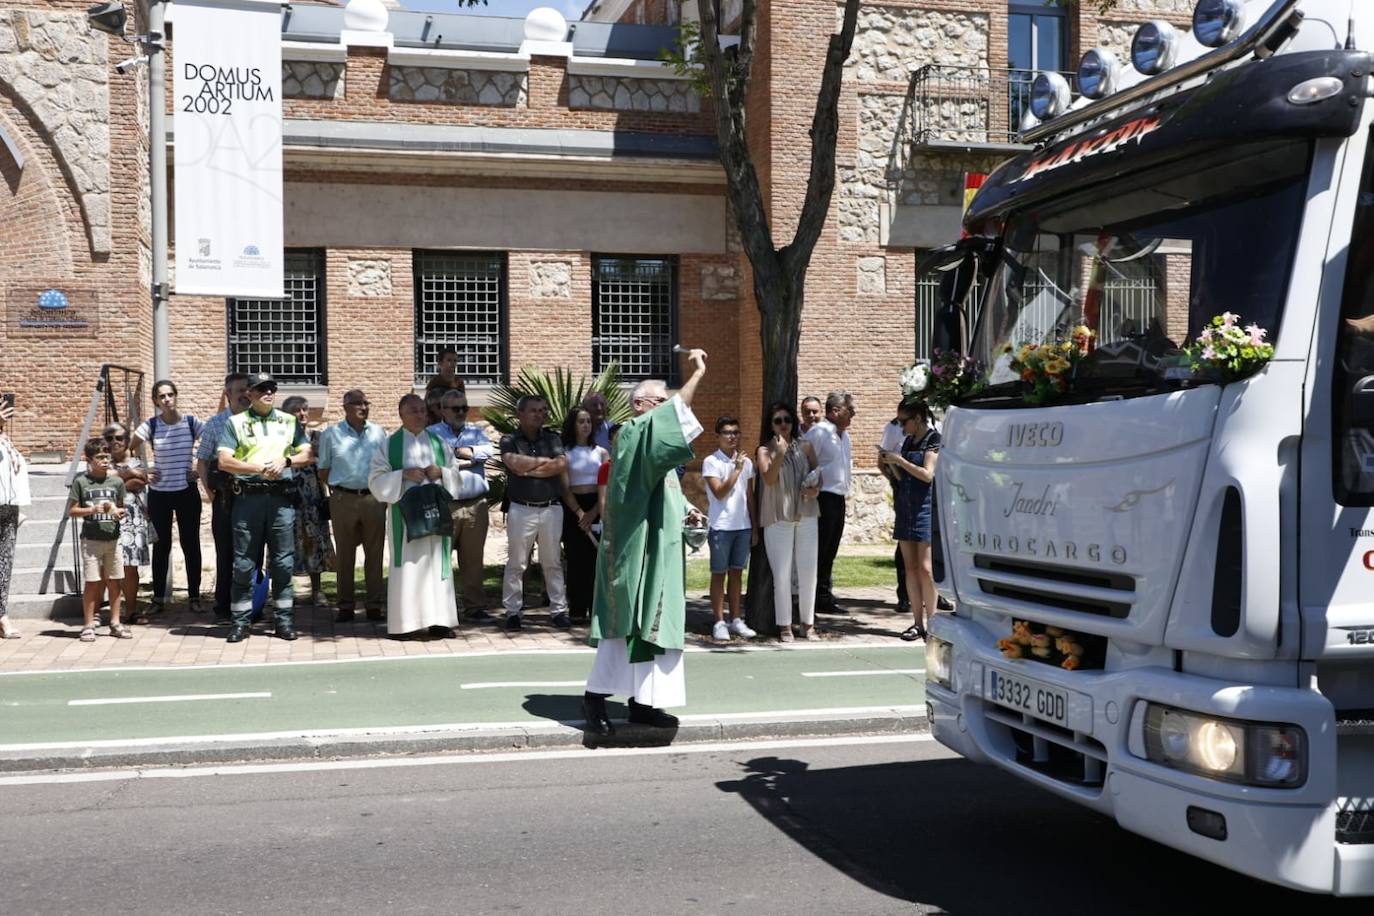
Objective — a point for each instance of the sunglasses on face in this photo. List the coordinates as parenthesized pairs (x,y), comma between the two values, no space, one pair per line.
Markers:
(782,421)
(457,408)
(359,404)
(114,438)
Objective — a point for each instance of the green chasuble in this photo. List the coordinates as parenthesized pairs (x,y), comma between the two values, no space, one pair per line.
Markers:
(640,569)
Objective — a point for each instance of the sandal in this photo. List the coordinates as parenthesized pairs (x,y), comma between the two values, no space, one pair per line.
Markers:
(913,633)
(194,606)
(7,630)
(120,631)
(786,635)
(140,616)
(809,633)
(87,634)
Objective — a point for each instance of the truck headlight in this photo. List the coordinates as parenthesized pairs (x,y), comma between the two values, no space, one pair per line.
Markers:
(939,661)
(1252,753)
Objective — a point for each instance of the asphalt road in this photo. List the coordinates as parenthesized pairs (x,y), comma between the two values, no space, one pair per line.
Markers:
(846,827)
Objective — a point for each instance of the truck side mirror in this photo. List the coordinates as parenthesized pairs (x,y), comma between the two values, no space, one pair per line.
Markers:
(1360,407)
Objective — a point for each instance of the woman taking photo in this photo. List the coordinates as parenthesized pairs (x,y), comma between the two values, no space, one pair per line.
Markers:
(913,469)
(171,491)
(134,544)
(789,514)
(580,510)
(14,493)
(314,549)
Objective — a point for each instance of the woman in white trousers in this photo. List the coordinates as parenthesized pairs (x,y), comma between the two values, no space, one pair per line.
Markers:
(789,514)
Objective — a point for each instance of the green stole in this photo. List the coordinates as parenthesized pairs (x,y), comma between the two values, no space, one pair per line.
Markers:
(396,455)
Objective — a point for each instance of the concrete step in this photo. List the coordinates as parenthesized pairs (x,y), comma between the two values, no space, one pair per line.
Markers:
(44,555)
(48,482)
(43,530)
(44,509)
(40,580)
(44,607)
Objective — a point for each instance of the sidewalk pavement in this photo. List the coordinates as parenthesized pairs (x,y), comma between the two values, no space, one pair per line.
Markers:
(178,638)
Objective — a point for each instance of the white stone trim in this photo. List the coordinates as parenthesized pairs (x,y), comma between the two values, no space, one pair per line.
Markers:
(452,59)
(623,67)
(546,48)
(314,51)
(353,38)
(13,148)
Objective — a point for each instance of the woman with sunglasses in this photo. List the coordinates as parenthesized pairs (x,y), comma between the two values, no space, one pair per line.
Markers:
(135,542)
(14,494)
(172,491)
(580,510)
(314,548)
(789,515)
(914,469)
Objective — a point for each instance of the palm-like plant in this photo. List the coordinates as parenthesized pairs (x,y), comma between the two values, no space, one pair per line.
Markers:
(563,392)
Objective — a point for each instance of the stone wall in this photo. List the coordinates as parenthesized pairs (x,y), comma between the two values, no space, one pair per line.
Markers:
(308,79)
(369,278)
(868,512)
(620,93)
(59,70)
(551,280)
(460,87)
(891,43)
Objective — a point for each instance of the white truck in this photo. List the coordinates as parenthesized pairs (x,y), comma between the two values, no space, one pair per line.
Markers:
(1164,575)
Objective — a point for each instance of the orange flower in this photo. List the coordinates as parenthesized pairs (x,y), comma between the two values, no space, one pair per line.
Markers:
(1012,651)
(1070,663)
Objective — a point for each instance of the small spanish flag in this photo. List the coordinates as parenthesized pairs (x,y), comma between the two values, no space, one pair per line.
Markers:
(972,182)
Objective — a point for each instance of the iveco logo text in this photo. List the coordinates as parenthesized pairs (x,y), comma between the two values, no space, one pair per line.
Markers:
(1035,435)
(1045,548)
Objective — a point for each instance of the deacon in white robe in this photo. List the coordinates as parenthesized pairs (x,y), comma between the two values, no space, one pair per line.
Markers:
(420,576)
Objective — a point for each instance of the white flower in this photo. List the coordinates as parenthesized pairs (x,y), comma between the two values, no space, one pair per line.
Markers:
(915,379)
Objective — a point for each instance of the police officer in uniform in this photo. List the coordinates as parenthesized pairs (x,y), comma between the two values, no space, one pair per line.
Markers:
(258,447)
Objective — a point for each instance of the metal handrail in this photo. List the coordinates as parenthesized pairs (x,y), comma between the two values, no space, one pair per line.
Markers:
(1263,29)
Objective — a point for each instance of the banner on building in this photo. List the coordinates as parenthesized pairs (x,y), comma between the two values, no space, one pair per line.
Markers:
(226,76)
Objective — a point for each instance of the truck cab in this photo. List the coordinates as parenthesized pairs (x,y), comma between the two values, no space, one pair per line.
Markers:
(1164,568)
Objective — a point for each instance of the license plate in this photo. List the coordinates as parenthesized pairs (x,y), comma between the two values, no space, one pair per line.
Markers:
(1025,695)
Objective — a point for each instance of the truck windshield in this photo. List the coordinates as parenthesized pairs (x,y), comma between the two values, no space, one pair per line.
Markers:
(1144,264)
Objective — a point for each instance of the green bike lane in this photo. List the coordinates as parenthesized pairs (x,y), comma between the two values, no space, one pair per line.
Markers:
(96,707)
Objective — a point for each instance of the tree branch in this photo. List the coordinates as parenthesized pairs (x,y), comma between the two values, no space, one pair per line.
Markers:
(744,54)
(825,124)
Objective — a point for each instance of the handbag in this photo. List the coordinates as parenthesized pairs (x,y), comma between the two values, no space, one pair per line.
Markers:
(426,512)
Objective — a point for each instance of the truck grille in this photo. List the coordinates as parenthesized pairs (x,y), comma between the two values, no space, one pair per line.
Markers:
(1047,749)
(1355,821)
(1062,587)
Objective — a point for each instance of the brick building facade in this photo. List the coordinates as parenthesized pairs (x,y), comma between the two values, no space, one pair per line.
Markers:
(530,198)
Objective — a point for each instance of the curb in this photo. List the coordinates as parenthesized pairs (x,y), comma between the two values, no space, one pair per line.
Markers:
(463,740)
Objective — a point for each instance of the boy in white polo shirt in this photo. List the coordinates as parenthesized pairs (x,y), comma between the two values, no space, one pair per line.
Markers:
(729,477)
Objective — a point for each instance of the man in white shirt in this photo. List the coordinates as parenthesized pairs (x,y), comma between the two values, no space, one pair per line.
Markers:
(891,441)
(729,477)
(830,439)
(472,449)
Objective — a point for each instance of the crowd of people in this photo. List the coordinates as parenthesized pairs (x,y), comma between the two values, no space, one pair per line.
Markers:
(288,501)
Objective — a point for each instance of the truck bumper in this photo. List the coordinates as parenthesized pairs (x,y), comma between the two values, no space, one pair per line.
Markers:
(1285,836)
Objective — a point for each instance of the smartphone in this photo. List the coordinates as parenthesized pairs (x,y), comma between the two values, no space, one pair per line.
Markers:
(7,400)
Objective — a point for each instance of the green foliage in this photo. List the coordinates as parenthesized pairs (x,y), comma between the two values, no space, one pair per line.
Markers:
(688,62)
(563,392)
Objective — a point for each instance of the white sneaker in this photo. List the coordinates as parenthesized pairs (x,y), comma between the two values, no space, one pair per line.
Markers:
(720,632)
(741,629)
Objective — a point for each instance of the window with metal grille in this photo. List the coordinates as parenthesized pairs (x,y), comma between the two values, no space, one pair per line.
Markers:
(460,302)
(285,337)
(634,315)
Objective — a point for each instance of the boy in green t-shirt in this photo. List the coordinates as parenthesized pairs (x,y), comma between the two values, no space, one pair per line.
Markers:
(97,497)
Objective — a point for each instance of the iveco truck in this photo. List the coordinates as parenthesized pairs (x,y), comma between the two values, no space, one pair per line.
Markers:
(1164,566)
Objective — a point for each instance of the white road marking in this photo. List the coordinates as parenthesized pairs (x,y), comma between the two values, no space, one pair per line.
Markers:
(863,673)
(256,769)
(483,685)
(172,698)
(536,725)
(484,653)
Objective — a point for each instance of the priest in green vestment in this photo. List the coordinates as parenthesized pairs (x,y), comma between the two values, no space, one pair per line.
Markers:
(639,610)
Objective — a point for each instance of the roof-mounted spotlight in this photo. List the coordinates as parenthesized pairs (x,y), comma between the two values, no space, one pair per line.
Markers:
(1097,74)
(1218,22)
(1155,47)
(108,17)
(1050,96)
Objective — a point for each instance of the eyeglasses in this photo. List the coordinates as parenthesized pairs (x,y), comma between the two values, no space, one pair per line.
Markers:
(457,408)
(652,400)
(727,433)
(358,404)
(782,421)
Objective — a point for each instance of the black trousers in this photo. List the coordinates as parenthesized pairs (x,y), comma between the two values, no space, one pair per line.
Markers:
(222,529)
(831,531)
(579,551)
(185,505)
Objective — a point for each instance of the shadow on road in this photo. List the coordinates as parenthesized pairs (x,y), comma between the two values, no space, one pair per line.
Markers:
(567,709)
(967,839)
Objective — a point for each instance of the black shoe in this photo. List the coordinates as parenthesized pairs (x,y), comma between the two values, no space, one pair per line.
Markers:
(903,608)
(442,632)
(512,622)
(598,720)
(942,603)
(913,633)
(344,616)
(285,631)
(237,634)
(649,715)
(375,614)
(562,621)
(478,615)
(834,610)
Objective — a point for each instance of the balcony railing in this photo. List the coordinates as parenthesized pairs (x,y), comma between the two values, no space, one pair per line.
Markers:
(974,106)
